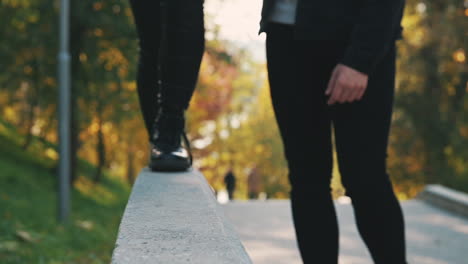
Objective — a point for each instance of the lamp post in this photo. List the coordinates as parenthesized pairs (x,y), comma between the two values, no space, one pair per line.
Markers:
(64,113)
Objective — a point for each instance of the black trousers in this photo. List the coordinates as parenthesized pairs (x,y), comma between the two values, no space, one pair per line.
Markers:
(299,71)
(171,40)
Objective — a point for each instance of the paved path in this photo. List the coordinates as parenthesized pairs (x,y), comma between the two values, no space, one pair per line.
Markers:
(266,230)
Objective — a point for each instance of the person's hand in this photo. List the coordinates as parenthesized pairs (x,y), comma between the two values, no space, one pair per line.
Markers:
(346,85)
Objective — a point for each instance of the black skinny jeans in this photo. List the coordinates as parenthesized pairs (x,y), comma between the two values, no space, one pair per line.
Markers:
(299,71)
(171,40)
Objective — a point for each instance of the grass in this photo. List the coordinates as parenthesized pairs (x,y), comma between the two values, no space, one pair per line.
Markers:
(29,231)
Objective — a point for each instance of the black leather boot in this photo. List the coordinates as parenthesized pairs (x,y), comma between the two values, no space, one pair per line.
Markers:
(167,152)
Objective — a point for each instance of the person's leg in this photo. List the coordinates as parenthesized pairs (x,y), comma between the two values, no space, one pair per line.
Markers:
(183,50)
(181,54)
(148,24)
(298,73)
(362,130)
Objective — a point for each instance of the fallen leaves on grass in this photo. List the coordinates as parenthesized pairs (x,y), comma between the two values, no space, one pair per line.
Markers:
(25,236)
(84,224)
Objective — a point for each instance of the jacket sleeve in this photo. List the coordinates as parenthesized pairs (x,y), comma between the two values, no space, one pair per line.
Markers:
(373,33)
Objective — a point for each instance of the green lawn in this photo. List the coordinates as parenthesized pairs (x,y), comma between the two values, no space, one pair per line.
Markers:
(29,232)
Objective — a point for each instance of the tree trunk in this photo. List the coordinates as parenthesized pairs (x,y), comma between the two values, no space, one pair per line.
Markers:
(130,166)
(78,30)
(29,125)
(33,101)
(100,149)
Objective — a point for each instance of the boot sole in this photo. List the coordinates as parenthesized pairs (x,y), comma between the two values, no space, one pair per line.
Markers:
(169,165)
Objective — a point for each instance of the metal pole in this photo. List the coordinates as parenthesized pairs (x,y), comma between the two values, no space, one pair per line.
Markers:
(64,114)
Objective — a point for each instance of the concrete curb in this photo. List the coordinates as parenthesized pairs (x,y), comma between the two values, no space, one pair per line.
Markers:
(446,198)
(174,218)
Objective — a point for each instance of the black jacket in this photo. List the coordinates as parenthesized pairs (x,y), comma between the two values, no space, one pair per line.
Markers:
(369,26)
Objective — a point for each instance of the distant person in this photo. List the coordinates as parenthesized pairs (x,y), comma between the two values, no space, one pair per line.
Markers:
(230,182)
(171,45)
(332,64)
(254,183)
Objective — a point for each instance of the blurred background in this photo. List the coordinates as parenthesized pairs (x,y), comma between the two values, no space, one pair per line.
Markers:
(230,120)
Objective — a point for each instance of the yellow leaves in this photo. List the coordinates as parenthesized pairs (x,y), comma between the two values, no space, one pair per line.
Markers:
(10,113)
(417,37)
(128,12)
(140,154)
(225,156)
(50,81)
(459,164)
(97,6)
(463,130)
(259,149)
(451,91)
(459,56)
(98,32)
(51,153)
(36,129)
(113,86)
(122,72)
(38,125)
(114,138)
(4,97)
(414,34)
(83,57)
(33,18)
(402,196)
(93,128)
(413,164)
(211,160)
(107,127)
(209,174)
(113,58)
(129,86)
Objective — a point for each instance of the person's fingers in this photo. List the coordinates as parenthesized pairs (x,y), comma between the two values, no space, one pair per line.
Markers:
(354,94)
(331,82)
(346,85)
(348,95)
(336,93)
(331,98)
(343,95)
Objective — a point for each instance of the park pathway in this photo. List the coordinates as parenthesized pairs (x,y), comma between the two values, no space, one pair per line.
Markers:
(266,230)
